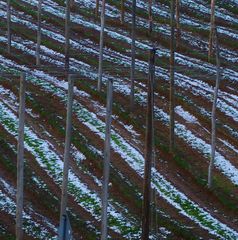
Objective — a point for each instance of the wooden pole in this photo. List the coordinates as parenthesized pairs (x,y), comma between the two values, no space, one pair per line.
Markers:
(38,32)
(150,17)
(212,25)
(67,34)
(9,35)
(20,160)
(178,30)
(122,11)
(107,156)
(148,150)
(133,50)
(213,118)
(66,153)
(172,88)
(101,46)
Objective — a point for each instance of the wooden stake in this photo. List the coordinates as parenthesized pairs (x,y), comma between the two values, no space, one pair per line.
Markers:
(150,17)
(107,156)
(148,150)
(38,32)
(9,35)
(178,33)
(133,50)
(64,193)
(20,160)
(212,25)
(101,46)
(172,88)
(67,35)
(213,119)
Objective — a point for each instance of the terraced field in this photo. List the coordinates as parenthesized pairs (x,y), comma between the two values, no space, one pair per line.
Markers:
(183,207)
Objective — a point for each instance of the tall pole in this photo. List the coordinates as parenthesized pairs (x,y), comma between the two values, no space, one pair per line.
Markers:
(20,160)
(107,156)
(148,150)
(101,46)
(212,25)
(67,34)
(133,50)
(64,194)
(178,22)
(172,88)
(9,35)
(213,118)
(150,17)
(38,32)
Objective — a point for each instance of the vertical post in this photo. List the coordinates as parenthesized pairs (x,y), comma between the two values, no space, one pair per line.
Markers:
(178,23)
(20,160)
(122,11)
(107,156)
(172,88)
(101,46)
(213,118)
(9,35)
(148,150)
(212,23)
(67,34)
(133,39)
(64,197)
(150,17)
(38,32)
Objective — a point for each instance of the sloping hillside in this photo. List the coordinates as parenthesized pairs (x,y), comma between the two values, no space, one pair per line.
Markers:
(183,206)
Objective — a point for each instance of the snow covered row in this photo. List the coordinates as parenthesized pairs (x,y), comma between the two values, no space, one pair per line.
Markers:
(203,7)
(32,226)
